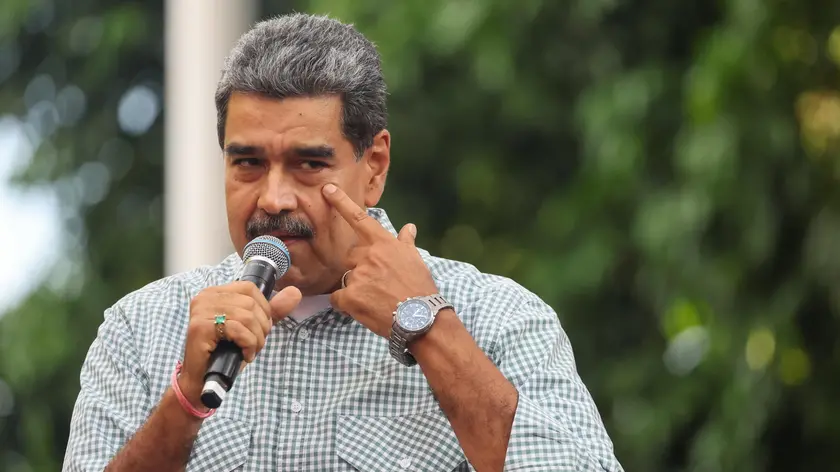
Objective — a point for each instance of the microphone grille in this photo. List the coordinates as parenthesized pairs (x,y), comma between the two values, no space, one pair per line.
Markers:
(271,248)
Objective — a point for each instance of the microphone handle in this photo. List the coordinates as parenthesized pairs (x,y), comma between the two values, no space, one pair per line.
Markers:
(226,359)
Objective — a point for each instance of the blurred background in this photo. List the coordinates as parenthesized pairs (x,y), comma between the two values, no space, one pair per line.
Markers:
(664,174)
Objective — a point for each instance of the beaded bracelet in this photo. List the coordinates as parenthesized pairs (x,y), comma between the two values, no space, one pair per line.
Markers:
(185,404)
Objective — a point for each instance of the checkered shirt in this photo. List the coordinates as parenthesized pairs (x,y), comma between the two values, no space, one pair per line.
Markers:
(325,394)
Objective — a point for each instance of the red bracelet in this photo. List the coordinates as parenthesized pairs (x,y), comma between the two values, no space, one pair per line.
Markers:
(185,404)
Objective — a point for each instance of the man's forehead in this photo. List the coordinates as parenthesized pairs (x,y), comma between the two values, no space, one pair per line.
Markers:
(277,124)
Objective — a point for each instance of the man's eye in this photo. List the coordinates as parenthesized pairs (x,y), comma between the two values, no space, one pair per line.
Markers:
(246,162)
(313,165)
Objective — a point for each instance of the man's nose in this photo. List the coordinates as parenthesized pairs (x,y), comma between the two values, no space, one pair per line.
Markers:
(278,193)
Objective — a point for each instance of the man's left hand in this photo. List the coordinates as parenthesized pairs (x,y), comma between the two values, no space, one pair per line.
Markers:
(384,270)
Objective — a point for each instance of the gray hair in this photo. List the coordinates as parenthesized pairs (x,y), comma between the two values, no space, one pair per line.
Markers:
(302,55)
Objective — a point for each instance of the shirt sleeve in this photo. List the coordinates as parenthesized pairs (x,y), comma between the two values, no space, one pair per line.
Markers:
(113,401)
(557,425)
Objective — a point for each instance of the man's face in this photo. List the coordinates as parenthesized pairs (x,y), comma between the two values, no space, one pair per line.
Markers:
(278,156)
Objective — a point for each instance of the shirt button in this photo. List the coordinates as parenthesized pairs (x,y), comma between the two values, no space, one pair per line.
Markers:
(405,463)
(297,407)
(304,333)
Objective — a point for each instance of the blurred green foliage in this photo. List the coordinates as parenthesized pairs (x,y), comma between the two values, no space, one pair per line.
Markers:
(663,173)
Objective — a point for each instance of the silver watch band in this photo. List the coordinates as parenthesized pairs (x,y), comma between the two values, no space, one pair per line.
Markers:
(398,343)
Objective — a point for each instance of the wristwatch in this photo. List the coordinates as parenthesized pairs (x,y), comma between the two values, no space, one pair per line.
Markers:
(412,319)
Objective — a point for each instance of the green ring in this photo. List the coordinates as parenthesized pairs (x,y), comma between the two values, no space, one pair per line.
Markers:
(220,319)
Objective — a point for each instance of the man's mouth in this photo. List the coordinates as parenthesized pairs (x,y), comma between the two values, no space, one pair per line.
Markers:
(289,239)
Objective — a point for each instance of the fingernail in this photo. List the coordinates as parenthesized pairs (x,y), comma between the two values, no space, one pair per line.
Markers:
(413,230)
(329,188)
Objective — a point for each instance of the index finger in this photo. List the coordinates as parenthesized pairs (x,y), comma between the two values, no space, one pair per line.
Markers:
(366,227)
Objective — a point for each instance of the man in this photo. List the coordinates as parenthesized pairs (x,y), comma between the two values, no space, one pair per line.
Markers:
(474,373)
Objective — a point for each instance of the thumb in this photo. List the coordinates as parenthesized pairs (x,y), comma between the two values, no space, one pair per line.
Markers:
(408,233)
(283,302)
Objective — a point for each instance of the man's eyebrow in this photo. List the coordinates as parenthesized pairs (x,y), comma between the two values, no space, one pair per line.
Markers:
(235,149)
(324,151)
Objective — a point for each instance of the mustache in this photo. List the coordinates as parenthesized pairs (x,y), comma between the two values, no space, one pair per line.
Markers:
(282,223)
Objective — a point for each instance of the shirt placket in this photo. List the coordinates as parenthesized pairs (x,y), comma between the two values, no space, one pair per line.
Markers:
(297,403)
(267,385)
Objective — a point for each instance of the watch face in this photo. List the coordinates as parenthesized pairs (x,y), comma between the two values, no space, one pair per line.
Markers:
(414,315)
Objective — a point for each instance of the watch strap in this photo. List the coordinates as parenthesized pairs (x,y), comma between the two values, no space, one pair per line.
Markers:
(437,302)
(397,346)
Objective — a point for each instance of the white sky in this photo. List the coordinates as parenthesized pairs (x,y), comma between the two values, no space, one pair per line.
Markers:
(30,221)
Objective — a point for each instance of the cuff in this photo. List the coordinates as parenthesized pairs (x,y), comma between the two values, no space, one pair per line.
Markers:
(539,441)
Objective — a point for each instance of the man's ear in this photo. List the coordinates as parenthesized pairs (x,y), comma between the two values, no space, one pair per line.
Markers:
(377,160)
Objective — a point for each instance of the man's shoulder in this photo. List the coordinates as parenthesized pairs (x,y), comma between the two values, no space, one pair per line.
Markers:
(468,288)
(176,289)
(489,304)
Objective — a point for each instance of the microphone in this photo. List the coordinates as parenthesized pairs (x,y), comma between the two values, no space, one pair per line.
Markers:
(266,260)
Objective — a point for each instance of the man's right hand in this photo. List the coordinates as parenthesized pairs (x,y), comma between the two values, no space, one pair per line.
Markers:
(248,320)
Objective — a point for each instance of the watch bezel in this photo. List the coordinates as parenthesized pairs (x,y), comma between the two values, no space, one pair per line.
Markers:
(400,309)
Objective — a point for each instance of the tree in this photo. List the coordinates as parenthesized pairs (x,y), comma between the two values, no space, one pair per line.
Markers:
(663,173)
(107,174)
